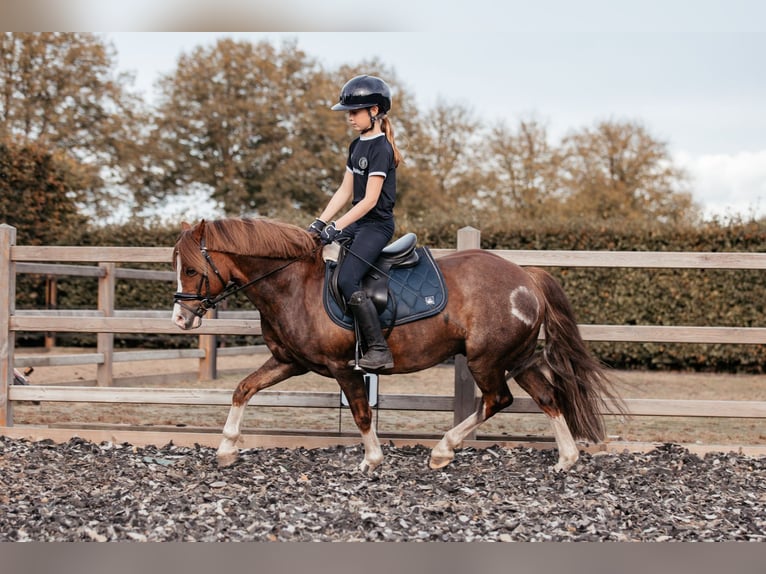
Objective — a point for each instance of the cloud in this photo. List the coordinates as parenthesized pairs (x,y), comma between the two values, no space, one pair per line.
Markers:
(728,185)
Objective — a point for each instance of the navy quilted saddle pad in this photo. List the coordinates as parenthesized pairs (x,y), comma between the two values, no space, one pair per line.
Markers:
(414,293)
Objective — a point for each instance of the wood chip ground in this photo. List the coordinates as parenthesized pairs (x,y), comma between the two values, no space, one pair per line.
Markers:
(81,491)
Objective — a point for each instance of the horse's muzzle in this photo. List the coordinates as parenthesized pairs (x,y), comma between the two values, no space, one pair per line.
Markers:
(205,303)
(187,316)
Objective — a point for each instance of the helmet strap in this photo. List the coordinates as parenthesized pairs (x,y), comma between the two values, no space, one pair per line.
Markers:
(372,120)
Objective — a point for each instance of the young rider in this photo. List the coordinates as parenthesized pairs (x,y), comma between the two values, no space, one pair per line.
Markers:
(369,184)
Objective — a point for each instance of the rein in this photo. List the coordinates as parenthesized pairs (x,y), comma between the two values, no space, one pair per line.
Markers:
(230,288)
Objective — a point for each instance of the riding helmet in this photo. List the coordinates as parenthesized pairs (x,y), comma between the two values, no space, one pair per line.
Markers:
(364,92)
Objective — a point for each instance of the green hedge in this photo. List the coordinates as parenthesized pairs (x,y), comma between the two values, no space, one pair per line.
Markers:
(688,297)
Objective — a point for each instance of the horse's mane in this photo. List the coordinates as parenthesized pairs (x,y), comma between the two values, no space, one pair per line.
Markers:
(244,236)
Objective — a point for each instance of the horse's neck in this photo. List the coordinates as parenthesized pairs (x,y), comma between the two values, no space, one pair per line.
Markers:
(277,280)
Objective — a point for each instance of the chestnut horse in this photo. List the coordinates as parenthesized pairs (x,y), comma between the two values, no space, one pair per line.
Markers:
(494,314)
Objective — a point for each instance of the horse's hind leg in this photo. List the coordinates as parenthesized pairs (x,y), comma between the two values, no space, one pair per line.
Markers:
(269,374)
(538,385)
(495,397)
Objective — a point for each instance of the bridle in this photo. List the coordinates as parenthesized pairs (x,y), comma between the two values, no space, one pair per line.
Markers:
(206,302)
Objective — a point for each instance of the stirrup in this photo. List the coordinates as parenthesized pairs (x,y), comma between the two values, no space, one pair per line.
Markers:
(354,363)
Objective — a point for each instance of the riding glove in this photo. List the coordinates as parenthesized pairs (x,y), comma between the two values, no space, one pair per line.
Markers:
(329,234)
(317,226)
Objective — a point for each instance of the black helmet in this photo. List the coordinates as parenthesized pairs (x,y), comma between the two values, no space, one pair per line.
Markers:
(364,92)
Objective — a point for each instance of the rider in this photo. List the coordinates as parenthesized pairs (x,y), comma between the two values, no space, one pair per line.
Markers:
(370,184)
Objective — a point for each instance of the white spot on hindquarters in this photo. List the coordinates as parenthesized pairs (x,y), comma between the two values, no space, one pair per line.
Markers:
(525,306)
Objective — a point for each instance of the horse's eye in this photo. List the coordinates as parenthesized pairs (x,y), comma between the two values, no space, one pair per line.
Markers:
(190,272)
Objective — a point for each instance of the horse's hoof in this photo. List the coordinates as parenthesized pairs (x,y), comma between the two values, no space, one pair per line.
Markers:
(441,455)
(227,458)
(367,467)
(438,462)
(563,465)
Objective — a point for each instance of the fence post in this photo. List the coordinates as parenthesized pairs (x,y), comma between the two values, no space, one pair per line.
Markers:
(51,294)
(105,341)
(7,309)
(465,387)
(208,370)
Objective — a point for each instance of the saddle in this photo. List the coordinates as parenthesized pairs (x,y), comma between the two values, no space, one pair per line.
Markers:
(404,283)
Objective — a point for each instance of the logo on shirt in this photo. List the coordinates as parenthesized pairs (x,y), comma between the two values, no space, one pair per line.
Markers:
(363,163)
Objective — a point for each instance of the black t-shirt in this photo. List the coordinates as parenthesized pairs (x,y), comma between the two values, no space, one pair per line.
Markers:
(373,156)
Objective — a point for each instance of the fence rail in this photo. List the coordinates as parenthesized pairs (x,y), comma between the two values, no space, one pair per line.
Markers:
(106,321)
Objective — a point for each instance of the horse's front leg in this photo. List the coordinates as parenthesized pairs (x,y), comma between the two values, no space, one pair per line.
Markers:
(269,374)
(352,385)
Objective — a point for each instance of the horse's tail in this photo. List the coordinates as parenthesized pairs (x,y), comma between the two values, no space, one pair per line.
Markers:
(581,387)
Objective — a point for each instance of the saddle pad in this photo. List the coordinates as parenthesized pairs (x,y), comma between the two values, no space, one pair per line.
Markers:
(414,293)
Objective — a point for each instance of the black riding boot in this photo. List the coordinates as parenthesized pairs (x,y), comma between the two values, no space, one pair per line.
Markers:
(378,355)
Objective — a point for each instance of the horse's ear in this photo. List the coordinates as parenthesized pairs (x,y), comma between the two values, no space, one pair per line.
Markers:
(199,229)
(185,226)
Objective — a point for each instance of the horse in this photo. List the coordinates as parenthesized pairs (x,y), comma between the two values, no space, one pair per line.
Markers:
(494,315)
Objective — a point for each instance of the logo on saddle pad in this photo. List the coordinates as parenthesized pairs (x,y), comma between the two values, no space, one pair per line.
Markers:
(405,283)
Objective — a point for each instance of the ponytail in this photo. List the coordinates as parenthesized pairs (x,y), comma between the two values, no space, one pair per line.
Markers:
(388,129)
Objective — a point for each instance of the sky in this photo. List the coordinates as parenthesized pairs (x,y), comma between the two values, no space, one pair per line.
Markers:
(691,72)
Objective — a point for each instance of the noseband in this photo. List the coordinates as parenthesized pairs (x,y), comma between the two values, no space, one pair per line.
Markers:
(206,302)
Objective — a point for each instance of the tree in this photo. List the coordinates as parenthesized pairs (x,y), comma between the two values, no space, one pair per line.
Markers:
(37,191)
(60,90)
(312,166)
(523,170)
(618,171)
(253,123)
(442,161)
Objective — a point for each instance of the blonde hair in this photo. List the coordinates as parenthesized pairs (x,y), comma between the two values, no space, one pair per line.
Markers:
(388,129)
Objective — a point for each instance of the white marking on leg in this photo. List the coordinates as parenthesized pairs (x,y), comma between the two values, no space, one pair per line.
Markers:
(373,455)
(568,451)
(233,424)
(443,453)
(524,305)
(227,451)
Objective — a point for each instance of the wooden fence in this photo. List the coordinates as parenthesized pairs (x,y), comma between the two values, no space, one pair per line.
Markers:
(106,321)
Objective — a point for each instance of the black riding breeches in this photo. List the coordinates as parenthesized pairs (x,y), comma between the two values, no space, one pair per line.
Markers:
(368,240)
